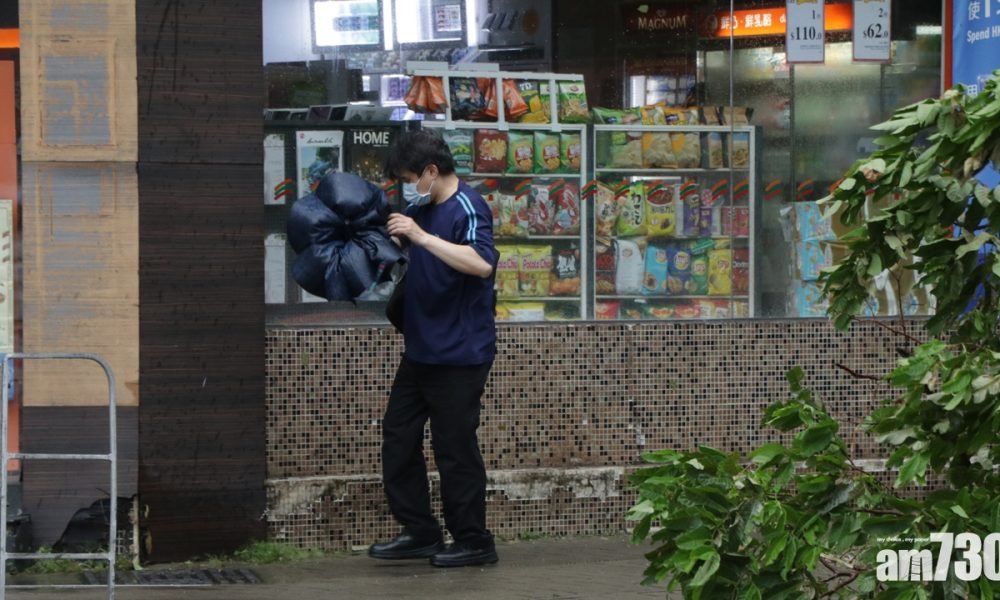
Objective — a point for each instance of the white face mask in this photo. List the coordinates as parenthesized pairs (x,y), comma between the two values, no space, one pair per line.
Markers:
(415,197)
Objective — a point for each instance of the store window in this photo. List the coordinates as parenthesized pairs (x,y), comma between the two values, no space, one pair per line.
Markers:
(652,160)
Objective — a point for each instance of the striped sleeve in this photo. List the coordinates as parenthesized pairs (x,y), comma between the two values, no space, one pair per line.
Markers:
(476,227)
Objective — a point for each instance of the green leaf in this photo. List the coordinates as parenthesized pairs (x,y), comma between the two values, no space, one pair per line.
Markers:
(816,438)
(974,245)
(767,453)
(706,570)
(906,175)
(913,468)
(694,462)
(875,266)
(848,184)
(958,510)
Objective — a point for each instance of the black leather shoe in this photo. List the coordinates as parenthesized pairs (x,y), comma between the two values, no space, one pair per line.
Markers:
(405,546)
(464,555)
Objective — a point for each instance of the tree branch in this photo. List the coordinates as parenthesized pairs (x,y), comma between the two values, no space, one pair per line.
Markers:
(855,374)
(878,323)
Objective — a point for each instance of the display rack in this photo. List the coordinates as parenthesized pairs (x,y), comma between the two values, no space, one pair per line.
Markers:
(703,208)
(511,191)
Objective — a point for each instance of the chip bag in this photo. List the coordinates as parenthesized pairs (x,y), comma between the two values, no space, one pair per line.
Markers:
(520,152)
(534,269)
(573,107)
(547,151)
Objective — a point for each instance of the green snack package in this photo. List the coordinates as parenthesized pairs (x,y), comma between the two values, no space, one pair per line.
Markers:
(546,152)
(632,216)
(460,143)
(573,107)
(520,152)
(570,148)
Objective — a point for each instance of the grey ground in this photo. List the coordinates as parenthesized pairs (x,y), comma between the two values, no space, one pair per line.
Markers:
(580,568)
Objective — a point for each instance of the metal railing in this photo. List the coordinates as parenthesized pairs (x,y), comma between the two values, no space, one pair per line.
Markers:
(6,456)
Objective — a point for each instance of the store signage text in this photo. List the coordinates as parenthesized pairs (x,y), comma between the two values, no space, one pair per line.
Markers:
(769,21)
(872,30)
(649,18)
(805,36)
(372,138)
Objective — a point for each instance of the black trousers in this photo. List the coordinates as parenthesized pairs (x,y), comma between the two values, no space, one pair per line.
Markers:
(450,397)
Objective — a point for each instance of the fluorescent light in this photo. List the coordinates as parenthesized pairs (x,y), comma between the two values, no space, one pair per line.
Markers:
(472,23)
(928,30)
(388,32)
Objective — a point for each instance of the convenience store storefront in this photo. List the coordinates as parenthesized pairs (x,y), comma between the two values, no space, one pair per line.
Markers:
(658,273)
(187,184)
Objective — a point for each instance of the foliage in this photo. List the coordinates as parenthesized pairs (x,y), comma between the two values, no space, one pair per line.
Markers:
(800,519)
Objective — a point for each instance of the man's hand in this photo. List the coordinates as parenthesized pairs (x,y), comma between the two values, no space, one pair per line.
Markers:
(402,225)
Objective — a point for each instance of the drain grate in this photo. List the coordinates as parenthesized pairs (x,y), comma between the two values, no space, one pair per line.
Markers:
(175,577)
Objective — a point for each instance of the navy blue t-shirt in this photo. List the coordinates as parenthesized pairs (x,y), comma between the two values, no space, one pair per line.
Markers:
(449,316)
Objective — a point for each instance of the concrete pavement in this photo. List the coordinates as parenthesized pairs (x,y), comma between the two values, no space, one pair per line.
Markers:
(583,568)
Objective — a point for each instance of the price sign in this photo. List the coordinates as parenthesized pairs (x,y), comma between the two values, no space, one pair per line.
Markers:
(872,35)
(804,36)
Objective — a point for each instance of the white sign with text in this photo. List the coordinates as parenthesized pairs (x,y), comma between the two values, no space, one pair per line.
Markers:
(872,33)
(805,36)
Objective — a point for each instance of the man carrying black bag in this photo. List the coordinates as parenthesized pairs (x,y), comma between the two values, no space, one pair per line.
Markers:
(450,343)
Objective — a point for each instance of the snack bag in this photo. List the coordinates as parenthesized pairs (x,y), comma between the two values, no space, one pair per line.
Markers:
(520,152)
(687,310)
(604,268)
(521,312)
(514,219)
(741,271)
(507,281)
(713,140)
(569,152)
(654,282)
(566,205)
(491,151)
(659,312)
(661,209)
(611,116)
(573,106)
(691,205)
(533,271)
(658,151)
(686,149)
(628,277)
(460,144)
(606,310)
(607,206)
(706,222)
(467,99)
(514,104)
(653,115)
(741,150)
(680,116)
(564,280)
(545,96)
(547,150)
(720,272)
(540,210)
(698,284)
(631,217)
(741,221)
(679,276)
(492,198)
(620,149)
(531,94)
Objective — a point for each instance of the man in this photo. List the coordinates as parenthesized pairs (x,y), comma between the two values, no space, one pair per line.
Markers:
(450,342)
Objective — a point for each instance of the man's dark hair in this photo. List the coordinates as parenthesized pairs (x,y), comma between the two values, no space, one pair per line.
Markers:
(414,151)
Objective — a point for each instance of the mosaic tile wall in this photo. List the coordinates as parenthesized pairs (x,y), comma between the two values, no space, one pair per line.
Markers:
(567,412)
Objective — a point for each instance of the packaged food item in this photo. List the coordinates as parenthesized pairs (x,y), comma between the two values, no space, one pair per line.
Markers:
(736,115)
(714,157)
(565,277)
(562,311)
(741,270)
(514,218)
(809,223)
(547,152)
(607,207)
(565,198)
(569,152)
(620,149)
(811,258)
(698,284)
(491,151)
(604,268)
(492,197)
(606,310)
(631,215)
(808,299)
(514,104)
(520,312)
(533,271)
(687,310)
(426,95)
(520,152)
(507,281)
(467,99)
(680,116)
(741,150)
(741,221)
(632,311)
(706,221)
(658,151)
(691,205)
(573,107)
(679,272)
(610,116)
(740,309)
(686,149)
(720,272)
(629,268)
(653,115)
(545,95)
(530,91)
(713,309)
(654,282)
(661,209)
(460,144)
(540,210)
(659,311)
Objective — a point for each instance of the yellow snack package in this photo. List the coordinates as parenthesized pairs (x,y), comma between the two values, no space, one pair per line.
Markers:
(720,272)
(533,270)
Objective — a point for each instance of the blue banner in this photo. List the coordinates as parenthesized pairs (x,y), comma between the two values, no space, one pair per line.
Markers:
(976,52)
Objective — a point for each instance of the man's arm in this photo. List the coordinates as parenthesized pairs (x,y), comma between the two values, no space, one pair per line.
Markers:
(462,258)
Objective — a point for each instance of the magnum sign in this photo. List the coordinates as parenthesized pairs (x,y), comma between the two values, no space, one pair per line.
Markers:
(657,17)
